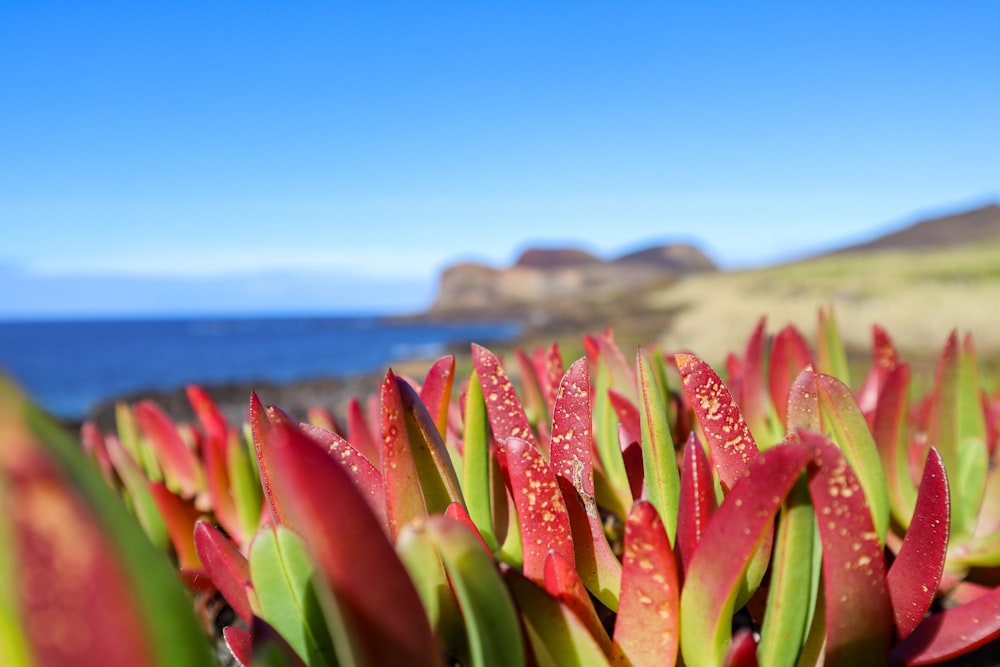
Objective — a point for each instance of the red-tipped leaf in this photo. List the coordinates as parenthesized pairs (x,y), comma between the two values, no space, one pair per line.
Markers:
(226,566)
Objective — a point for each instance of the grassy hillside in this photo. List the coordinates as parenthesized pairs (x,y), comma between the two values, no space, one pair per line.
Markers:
(919,296)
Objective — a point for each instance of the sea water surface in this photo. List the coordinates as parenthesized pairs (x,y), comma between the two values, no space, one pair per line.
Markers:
(69,367)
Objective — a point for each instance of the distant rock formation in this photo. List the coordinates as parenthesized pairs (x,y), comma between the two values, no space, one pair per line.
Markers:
(976,225)
(559,280)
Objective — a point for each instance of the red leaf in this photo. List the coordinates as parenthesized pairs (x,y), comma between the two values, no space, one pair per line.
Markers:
(951,633)
(789,356)
(404,499)
(754,396)
(240,644)
(359,435)
(564,584)
(857,604)
(884,361)
(180,517)
(217,476)
(379,604)
(549,369)
(436,391)
(628,414)
(209,415)
(73,593)
(458,512)
(226,566)
(541,510)
(697,500)
(179,462)
(743,651)
(571,452)
(260,426)
(506,414)
(729,439)
(914,576)
(362,472)
(647,626)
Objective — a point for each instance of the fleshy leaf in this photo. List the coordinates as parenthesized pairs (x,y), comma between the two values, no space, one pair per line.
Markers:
(179,516)
(476,463)
(755,404)
(831,358)
(564,584)
(435,392)
(240,644)
(541,511)
(261,428)
(729,439)
(605,422)
(363,472)
(843,420)
(571,460)
(889,430)
(658,456)
(284,578)
(952,632)
(729,542)
(404,498)
(914,576)
(535,406)
(791,593)
(858,609)
(697,500)
(179,462)
(375,598)
(360,435)
(138,491)
(506,414)
(789,356)
(490,618)
(226,566)
(646,629)
(557,636)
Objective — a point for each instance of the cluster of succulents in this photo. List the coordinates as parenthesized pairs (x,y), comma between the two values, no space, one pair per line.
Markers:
(610,511)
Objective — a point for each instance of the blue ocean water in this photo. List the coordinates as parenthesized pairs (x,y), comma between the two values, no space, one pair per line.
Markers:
(69,367)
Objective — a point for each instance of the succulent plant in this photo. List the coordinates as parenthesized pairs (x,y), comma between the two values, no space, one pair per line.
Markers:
(605,512)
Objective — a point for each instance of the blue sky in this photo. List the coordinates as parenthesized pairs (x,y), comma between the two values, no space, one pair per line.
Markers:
(244,157)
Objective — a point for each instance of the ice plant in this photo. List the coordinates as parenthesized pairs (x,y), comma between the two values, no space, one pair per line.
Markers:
(595,512)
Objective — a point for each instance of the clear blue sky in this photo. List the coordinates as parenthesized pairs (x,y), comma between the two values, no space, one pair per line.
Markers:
(316,156)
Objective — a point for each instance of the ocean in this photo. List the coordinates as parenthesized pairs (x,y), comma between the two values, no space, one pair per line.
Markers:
(69,367)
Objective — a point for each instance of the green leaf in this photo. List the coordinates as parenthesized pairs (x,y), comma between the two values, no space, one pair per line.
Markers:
(658,456)
(789,599)
(488,612)
(831,356)
(284,580)
(730,540)
(476,463)
(843,420)
(557,636)
(244,484)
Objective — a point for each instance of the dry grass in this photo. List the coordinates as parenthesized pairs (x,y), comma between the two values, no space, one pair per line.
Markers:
(918,296)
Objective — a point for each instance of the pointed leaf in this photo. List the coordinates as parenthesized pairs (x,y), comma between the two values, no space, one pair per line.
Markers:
(179,517)
(914,576)
(435,393)
(831,356)
(362,472)
(534,403)
(208,414)
(379,605)
(755,404)
(490,617)
(506,414)
(789,356)
(438,479)
(571,460)
(843,420)
(476,463)
(951,633)
(226,566)
(179,462)
(549,369)
(790,595)
(729,439)
(240,644)
(889,429)
(697,500)
(360,435)
(557,636)
(244,486)
(605,428)
(404,498)
(137,487)
(646,629)
(541,511)
(264,448)
(564,584)
(858,609)
(658,456)
(730,540)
